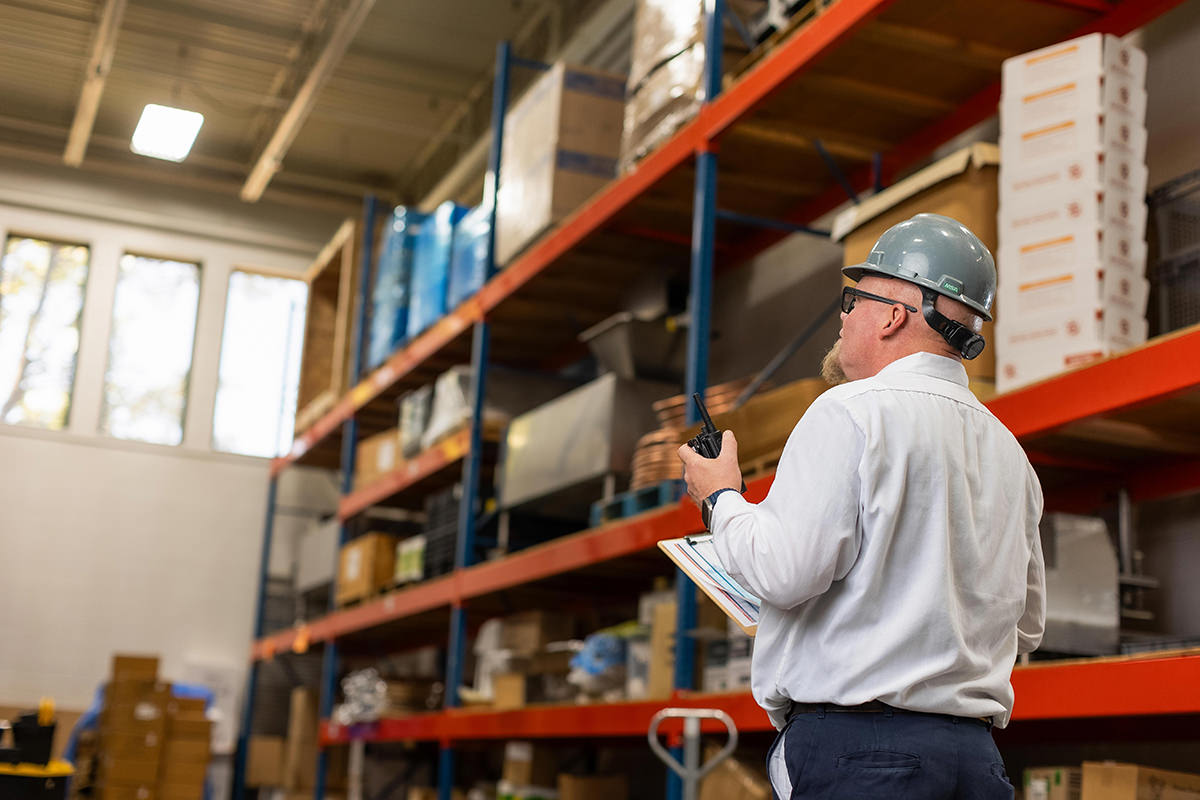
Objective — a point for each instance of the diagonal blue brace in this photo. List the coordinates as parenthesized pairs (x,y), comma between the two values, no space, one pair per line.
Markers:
(739,27)
(836,171)
(765,222)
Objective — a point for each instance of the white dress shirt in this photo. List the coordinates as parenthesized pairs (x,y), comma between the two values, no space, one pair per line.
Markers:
(897,553)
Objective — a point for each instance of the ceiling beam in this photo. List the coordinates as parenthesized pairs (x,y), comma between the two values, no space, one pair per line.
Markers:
(104,46)
(271,158)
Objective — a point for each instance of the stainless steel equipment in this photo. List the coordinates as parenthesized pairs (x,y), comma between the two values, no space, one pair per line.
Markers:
(1083,613)
(558,455)
(638,346)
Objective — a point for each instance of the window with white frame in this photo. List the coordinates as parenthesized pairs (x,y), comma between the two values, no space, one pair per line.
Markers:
(41,300)
(150,349)
(259,374)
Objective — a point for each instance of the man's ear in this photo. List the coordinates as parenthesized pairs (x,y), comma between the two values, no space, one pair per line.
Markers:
(894,323)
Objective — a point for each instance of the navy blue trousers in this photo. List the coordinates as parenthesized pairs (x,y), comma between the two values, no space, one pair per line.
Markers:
(848,756)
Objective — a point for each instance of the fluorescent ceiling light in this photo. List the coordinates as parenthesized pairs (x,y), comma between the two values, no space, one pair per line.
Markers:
(165,132)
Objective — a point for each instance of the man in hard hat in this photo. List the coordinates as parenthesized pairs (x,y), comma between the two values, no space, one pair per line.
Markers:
(897,553)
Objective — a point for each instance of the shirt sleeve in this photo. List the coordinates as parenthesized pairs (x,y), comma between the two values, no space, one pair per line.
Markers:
(1032,624)
(805,535)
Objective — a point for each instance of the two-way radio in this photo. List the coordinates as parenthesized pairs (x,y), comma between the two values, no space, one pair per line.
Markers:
(708,441)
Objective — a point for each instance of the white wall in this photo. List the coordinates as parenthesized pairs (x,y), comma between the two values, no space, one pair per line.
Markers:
(118,546)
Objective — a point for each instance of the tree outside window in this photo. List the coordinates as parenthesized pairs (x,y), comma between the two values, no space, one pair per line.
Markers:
(41,300)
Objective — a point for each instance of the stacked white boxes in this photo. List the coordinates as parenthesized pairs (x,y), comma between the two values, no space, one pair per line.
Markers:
(1072,220)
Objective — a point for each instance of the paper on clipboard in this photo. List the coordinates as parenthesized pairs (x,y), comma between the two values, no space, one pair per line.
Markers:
(697,557)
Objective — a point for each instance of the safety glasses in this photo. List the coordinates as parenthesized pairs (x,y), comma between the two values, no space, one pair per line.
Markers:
(850,295)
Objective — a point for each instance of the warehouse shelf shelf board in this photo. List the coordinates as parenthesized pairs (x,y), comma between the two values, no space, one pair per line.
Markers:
(1116,687)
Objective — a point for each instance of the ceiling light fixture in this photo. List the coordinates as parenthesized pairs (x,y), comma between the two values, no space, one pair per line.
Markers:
(165,132)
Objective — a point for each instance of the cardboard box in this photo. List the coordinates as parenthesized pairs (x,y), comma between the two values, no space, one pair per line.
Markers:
(1112,781)
(126,692)
(963,186)
(509,690)
(264,761)
(734,778)
(110,791)
(561,141)
(300,746)
(530,631)
(375,456)
(192,707)
(167,791)
(1053,783)
(134,668)
(146,714)
(1040,349)
(182,773)
(143,746)
(189,751)
(1084,58)
(189,726)
(593,787)
(710,622)
(529,764)
(127,770)
(366,565)
(661,680)
(127,725)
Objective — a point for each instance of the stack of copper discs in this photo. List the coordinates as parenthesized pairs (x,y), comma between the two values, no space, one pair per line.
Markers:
(655,459)
(718,399)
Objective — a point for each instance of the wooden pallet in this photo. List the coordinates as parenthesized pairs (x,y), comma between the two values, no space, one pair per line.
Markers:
(325,357)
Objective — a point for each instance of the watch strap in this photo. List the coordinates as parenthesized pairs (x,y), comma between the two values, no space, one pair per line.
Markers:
(710,502)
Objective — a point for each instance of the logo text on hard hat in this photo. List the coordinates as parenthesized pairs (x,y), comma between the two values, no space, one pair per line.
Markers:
(951,285)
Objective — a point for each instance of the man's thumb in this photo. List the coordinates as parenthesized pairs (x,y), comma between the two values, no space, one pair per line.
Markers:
(729,443)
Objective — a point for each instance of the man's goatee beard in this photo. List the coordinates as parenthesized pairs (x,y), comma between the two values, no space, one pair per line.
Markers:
(831,368)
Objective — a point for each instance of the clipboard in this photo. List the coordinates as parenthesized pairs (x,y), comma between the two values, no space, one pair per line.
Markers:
(697,558)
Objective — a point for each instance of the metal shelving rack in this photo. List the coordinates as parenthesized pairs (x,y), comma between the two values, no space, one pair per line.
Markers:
(665,212)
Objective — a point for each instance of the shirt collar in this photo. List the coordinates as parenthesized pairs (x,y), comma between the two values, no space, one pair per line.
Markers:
(931,365)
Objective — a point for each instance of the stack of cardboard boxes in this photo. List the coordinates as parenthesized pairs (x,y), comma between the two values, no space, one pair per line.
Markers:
(1109,780)
(1072,217)
(186,750)
(288,766)
(152,746)
(536,672)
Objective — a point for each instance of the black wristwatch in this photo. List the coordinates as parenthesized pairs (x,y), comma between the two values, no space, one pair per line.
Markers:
(710,502)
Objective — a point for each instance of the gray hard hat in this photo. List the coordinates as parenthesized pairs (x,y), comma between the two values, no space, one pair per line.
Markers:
(936,252)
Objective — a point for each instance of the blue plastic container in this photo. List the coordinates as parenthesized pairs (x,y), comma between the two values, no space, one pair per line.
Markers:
(390,289)
(431,267)
(468,255)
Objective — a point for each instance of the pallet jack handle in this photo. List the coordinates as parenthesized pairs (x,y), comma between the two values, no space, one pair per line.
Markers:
(691,770)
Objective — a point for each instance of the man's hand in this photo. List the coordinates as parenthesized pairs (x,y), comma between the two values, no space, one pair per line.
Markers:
(704,476)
